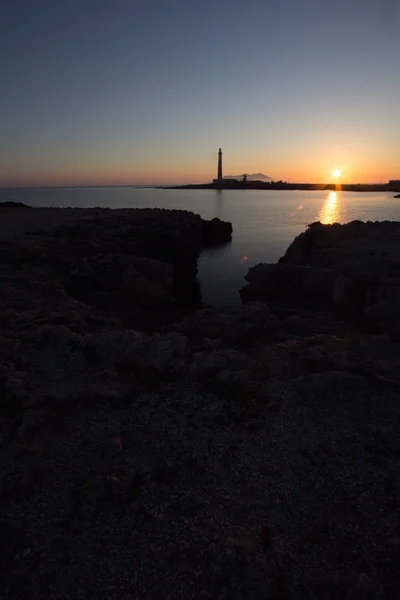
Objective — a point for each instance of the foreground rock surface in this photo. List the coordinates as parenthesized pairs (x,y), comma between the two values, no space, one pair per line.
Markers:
(353,270)
(138,266)
(246,453)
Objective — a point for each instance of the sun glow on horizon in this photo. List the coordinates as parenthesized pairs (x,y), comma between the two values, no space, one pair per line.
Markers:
(336,173)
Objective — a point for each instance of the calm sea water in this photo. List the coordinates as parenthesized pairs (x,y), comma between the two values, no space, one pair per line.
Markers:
(264,222)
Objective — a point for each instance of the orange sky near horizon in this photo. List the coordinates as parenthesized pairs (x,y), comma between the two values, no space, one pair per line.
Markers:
(188,171)
(145,94)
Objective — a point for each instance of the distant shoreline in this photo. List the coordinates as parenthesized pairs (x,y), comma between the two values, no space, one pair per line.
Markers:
(249,185)
(259,185)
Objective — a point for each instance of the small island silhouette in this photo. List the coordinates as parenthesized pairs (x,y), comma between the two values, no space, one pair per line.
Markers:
(283,185)
(259,181)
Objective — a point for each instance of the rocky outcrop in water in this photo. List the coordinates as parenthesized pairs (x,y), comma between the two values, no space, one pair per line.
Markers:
(353,270)
(135,265)
(216,232)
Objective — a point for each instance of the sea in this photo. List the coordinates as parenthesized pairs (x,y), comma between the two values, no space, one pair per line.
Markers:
(264,222)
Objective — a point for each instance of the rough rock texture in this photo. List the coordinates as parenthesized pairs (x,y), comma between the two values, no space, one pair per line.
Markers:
(137,463)
(353,269)
(139,266)
(235,454)
(236,326)
(287,283)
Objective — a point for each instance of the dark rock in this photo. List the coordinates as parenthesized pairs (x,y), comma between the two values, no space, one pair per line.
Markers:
(304,323)
(159,352)
(384,317)
(155,271)
(131,349)
(332,381)
(216,232)
(138,266)
(234,573)
(148,282)
(228,377)
(243,325)
(11,539)
(349,296)
(288,284)
(206,363)
(353,249)
(165,472)
(351,269)
(11,204)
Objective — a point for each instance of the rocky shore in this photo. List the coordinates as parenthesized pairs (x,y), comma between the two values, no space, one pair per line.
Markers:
(151,447)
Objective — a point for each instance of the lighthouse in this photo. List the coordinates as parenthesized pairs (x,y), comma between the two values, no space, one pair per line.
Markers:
(220,181)
(219,177)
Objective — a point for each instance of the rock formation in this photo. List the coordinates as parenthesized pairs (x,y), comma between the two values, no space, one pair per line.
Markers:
(244,452)
(351,269)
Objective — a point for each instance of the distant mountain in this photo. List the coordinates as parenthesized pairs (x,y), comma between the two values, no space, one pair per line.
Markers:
(253,177)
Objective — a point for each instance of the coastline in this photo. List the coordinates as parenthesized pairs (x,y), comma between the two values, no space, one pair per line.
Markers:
(288,186)
(246,451)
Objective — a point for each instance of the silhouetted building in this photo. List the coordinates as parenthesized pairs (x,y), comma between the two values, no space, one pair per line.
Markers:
(220,179)
(394,185)
(219,173)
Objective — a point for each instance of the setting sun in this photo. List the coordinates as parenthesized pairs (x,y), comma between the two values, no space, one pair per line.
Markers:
(336,173)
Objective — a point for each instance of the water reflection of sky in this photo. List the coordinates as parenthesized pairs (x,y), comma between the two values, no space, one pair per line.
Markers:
(332,210)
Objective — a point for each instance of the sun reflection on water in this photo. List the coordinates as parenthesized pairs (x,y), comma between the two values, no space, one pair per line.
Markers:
(331,210)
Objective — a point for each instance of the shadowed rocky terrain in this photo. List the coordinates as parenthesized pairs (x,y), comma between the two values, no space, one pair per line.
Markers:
(151,447)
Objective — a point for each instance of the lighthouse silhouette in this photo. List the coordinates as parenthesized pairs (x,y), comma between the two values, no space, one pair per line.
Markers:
(219,176)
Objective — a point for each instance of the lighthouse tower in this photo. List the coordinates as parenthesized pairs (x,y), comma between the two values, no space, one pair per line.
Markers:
(219,177)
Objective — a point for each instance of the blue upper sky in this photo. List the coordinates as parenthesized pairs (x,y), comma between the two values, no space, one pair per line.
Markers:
(126,92)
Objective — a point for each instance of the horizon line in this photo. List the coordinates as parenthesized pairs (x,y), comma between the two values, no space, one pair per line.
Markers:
(164,185)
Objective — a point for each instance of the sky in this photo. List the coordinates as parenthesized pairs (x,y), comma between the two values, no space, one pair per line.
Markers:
(117,92)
